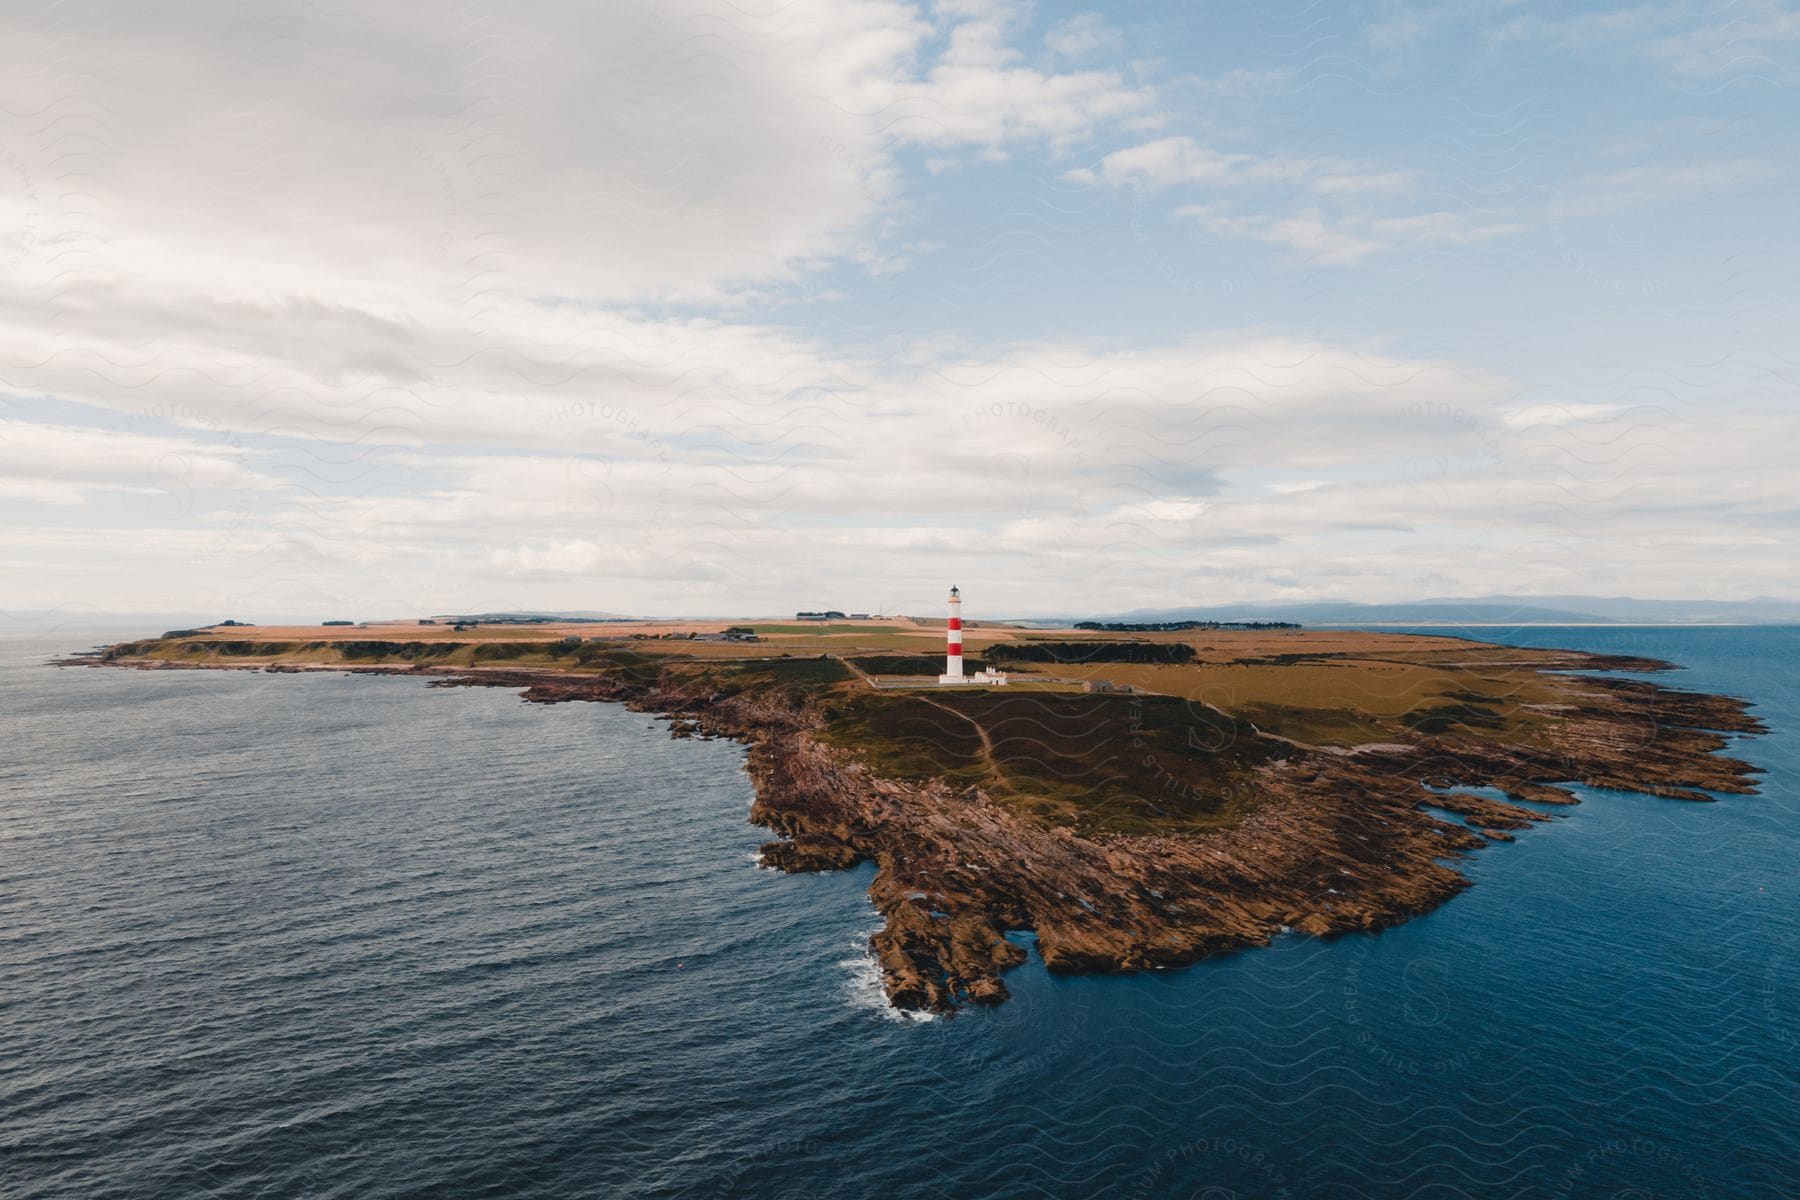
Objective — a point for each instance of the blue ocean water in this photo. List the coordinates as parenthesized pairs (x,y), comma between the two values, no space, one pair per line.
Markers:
(275,935)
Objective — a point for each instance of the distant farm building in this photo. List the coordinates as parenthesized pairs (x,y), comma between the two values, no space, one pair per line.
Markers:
(736,633)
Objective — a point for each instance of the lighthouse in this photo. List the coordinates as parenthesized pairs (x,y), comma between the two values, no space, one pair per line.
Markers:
(953,664)
(953,672)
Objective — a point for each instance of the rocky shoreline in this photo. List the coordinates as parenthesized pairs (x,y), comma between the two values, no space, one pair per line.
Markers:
(1336,841)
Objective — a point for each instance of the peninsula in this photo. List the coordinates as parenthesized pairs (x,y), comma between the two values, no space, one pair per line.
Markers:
(1132,798)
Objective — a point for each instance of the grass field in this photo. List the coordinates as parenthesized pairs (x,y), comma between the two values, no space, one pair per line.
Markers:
(1117,764)
(1346,700)
(1168,756)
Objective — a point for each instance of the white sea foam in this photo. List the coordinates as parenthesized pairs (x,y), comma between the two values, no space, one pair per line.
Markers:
(864,985)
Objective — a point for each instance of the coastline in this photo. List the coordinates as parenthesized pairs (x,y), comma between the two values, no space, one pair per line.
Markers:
(1328,840)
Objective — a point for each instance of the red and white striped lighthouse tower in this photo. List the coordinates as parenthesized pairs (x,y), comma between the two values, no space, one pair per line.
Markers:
(953,672)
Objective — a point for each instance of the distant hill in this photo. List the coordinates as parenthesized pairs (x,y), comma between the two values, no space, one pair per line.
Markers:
(1763,610)
(1488,610)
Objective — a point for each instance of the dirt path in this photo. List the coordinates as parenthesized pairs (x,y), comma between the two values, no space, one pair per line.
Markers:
(987,743)
(855,670)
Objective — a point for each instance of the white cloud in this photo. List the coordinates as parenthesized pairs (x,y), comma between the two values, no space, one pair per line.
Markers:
(1748,40)
(374,226)
(66,465)
(1104,478)
(1318,240)
(364,155)
(1754,40)
(473,320)
(1307,234)
(1557,414)
(979,93)
(377,152)
(1080,35)
(1180,159)
(1353,183)
(1316,236)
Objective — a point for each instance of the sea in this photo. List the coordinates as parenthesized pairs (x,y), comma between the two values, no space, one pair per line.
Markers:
(354,936)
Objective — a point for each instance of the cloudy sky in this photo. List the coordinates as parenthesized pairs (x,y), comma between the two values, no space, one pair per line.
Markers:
(728,307)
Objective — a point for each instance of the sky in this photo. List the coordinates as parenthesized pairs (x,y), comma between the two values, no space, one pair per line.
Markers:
(736,307)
